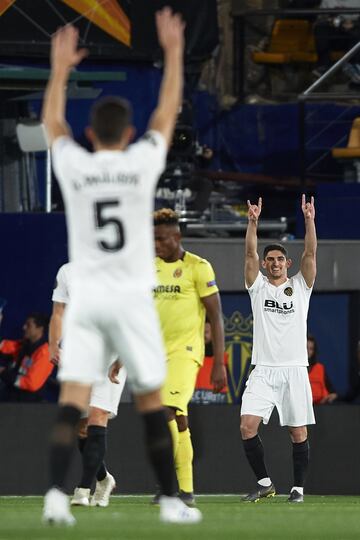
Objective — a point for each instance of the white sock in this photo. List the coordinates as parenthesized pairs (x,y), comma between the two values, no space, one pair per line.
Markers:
(264,482)
(298,489)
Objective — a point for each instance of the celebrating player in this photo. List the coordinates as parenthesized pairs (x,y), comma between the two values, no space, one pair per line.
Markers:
(186,292)
(108,200)
(279,378)
(104,403)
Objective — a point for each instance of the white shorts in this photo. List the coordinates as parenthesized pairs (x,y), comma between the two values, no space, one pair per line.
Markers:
(126,325)
(286,388)
(106,395)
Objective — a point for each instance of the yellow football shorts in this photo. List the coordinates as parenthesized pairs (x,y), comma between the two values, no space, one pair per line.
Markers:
(179,382)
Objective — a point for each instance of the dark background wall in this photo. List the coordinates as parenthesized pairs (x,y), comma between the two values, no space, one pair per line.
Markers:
(220,465)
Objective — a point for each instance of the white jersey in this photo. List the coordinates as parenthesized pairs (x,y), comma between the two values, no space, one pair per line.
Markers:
(61,292)
(280,315)
(108,197)
(105,395)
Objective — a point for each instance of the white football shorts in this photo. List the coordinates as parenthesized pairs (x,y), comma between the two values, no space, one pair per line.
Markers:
(106,395)
(98,328)
(286,388)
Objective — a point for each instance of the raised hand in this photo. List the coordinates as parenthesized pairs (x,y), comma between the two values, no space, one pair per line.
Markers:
(64,51)
(170,29)
(254,210)
(308,208)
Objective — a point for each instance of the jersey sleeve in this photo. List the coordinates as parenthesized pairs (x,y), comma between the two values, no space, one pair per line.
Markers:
(150,152)
(61,289)
(256,285)
(205,281)
(299,278)
(66,152)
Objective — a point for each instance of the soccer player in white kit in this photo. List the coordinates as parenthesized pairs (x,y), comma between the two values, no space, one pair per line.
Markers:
(279,356)
(103,405)
(108,199)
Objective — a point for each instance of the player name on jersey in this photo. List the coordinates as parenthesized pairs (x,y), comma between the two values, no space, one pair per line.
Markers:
(106,178)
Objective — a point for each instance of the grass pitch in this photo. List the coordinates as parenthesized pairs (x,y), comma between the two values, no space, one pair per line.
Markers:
(225,518)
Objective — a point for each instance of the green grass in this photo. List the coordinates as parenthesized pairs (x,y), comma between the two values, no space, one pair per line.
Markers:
(225,518)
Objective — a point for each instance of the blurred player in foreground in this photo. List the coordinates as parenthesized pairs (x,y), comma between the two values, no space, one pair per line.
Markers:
(108,200)
(185,293)
(280,378)
(104,403)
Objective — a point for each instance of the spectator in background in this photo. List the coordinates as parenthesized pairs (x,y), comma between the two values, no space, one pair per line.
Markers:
(25,364)
(321,387)
(337,32)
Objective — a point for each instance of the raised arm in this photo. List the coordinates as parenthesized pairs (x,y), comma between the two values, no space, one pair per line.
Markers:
(64,56)
(170,29)
(308,259)
(251,255)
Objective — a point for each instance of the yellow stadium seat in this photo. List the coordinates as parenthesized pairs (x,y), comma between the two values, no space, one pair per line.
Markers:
(352,150)
(292,40)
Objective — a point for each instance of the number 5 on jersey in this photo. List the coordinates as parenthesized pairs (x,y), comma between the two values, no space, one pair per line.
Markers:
(103,219)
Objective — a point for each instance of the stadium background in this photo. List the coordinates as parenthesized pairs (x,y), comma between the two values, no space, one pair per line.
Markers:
(259,139)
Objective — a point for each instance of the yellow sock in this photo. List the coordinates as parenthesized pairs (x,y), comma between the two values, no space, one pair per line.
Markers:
(183,462)
(174,435)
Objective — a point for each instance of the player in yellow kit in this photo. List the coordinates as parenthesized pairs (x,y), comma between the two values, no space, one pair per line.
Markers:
(185,294)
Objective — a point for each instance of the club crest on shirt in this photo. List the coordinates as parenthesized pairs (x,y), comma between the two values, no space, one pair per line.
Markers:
(288,291)
(177,273)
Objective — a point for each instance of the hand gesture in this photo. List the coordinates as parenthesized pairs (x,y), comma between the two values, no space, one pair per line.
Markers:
(308,208)
(170,29)
(254,210)
(64,51)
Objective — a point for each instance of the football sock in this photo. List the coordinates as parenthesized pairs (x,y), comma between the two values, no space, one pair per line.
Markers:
(183,462)
(81,443)
(299,489)
(255,455)
(301,452)
(265,482)
(93,454)
(102,471)
(174,435)
(62,444)
(160,450)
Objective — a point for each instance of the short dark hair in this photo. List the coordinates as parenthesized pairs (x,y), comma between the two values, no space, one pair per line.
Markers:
(275,247)
(311,338)
(166,216)
(109,117)
(40,319)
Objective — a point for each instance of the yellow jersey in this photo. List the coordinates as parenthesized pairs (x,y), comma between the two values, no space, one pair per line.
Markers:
(181,285)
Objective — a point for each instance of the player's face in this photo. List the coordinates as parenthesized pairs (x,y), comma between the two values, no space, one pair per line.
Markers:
(31,331)
(276,264)
(310,348)
(167,242)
